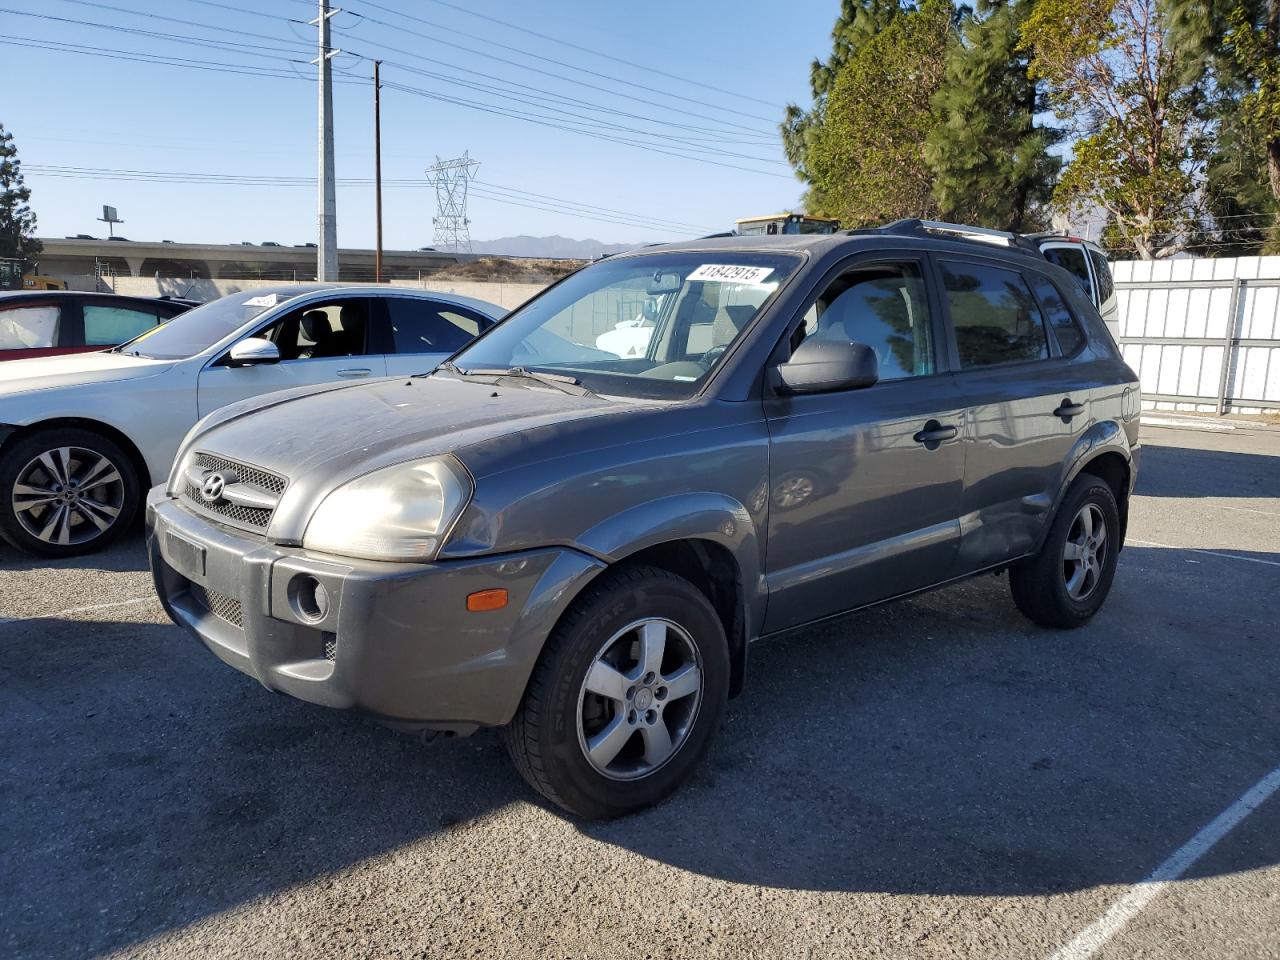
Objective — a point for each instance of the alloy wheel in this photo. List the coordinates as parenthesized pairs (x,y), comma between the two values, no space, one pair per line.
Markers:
(68,495)
(639,699)
(1085,552)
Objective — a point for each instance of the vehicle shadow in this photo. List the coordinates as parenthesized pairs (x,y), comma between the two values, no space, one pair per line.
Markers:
(1170,471)
(941,745)
(127,554)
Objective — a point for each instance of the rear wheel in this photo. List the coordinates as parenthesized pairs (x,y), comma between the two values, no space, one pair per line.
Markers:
(1068,580)
(626,695)
(66,491)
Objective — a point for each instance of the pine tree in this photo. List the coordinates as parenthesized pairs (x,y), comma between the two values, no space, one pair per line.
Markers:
(858,23)
(17,221)
(865,160)
(990,159)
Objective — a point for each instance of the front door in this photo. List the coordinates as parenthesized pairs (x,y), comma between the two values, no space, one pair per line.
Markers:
(865,484)
(318,343)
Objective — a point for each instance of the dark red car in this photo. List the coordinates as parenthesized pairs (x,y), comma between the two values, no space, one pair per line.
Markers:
(42,323)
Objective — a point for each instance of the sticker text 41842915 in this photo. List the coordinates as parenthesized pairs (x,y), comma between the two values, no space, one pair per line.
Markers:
(728,273)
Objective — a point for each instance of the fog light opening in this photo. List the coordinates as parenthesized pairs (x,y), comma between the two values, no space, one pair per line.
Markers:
(310,598)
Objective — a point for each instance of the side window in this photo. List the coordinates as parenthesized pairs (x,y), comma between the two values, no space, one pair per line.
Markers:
(1065,328)
(421,326)
(995,317)
(1072,259)
(1102,272)
(105,326)
(318,331)
(27,328)
(883,306)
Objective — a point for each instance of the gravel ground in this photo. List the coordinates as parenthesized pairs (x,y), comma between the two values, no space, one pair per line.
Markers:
(934,778)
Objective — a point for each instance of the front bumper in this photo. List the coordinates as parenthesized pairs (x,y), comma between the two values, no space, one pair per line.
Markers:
(396,641)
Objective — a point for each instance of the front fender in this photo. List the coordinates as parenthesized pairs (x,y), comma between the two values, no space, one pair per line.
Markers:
(688,516)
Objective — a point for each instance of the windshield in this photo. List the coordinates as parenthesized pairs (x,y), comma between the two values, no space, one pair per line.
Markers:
(196,330)
(652,326)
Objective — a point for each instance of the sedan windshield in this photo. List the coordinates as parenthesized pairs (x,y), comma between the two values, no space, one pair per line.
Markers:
(650,326)
(196,330)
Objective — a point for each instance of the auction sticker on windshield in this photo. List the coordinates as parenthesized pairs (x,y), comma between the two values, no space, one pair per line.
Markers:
(726,273)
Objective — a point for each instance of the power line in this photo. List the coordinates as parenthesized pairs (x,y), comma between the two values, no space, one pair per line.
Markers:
(499,193)
(214,66)
(549,73)
(607,56)
(536,56)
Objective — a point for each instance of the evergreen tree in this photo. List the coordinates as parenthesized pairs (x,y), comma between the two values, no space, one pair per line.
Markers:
(859,21)
(864,159)
(990,160)
(17,221)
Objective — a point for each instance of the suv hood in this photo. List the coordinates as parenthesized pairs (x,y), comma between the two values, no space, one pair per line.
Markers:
(43,373)
(320,439)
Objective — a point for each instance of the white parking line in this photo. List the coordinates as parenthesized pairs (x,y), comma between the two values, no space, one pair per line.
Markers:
(1090,940)
(1212,553)
(70,610)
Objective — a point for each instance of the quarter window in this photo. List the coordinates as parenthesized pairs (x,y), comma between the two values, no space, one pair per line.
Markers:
(995,317)
(883,306)
(26,328)
(1064,324)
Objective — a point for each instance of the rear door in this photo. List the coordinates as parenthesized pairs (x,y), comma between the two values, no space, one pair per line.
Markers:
(419,333)
(1024,405)
(320,342)
(865,485)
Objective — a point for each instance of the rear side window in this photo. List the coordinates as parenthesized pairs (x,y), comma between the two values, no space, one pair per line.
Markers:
(1065,328)
(105,326)
(994,314)
(1106,286)
(28,327)
(422,326)
(1072,259)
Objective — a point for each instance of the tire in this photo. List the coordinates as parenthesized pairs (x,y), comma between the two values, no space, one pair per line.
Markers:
(560,718)
(1044,587)
(74,518)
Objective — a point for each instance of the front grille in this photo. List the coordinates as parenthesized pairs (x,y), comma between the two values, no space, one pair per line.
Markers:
(219,604)
(255,519)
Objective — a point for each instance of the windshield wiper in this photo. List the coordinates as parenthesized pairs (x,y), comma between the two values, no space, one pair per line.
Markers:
(560,381)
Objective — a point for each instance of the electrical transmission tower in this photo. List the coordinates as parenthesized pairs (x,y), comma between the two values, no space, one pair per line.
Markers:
(450,178)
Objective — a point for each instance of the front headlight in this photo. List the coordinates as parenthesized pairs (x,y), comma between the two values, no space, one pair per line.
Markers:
(402,512)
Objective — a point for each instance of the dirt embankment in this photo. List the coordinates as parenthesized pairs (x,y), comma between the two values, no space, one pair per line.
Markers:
(508,270)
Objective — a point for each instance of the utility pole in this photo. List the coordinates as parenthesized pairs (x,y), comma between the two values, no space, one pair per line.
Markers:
(326,202)
(377,170)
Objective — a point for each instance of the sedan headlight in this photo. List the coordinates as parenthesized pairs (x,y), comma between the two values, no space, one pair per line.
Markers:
(402,512)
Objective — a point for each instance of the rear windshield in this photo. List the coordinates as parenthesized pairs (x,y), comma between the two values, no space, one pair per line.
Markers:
(196,330)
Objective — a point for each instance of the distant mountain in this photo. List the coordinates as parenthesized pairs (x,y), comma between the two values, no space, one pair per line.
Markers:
(554,247)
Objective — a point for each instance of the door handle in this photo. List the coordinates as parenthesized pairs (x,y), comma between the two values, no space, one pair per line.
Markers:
(352,372)
(934,433)
(1066,410)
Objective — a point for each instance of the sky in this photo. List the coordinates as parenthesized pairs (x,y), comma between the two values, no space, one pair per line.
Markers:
(641,73)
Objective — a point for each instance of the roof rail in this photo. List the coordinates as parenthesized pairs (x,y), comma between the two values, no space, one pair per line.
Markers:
(960,231)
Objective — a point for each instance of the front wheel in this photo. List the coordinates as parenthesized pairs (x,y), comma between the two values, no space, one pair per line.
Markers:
(1067,581)
(625,697)
(66,491)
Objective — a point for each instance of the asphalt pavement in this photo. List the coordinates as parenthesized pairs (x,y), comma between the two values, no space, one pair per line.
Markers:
(932,778)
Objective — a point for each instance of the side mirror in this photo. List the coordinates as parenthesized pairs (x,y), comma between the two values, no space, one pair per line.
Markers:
(823,366)
(252,351)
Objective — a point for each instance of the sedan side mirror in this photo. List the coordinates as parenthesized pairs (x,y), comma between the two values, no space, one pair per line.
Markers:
(252,351)
(823,366)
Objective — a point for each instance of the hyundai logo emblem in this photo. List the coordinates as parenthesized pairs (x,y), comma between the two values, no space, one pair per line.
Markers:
(213,486)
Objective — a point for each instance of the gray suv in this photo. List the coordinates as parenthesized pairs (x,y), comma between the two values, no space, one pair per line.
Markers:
(579,543)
